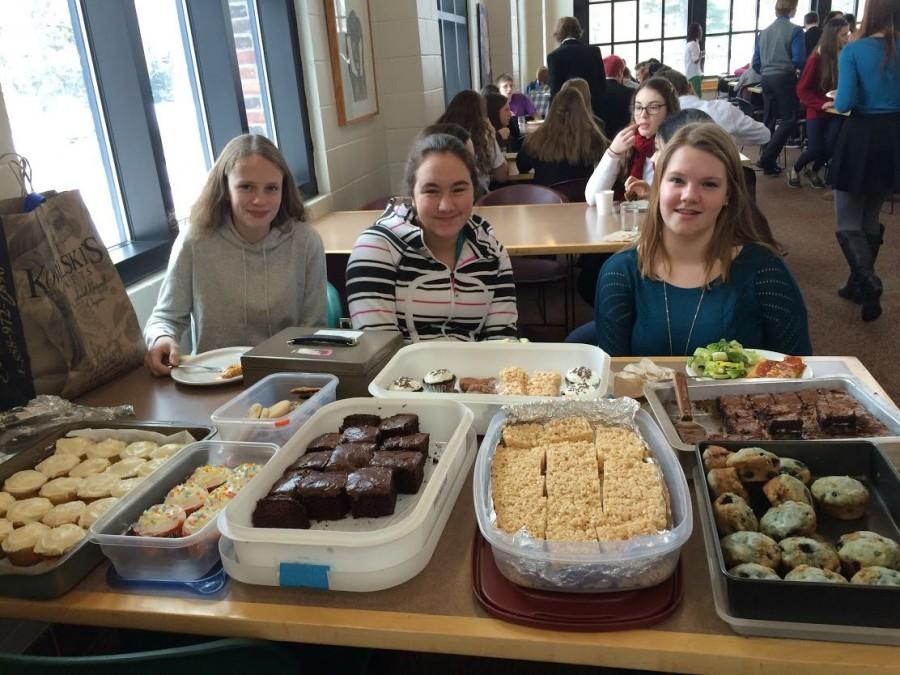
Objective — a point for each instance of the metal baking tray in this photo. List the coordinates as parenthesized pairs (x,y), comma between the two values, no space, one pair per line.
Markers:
(661,398)
(808,602)
(50,580)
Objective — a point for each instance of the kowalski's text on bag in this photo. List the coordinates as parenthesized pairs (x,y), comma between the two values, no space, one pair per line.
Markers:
(41,278)
(16,387)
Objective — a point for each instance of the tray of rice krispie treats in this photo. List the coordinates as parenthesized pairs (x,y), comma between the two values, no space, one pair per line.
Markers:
(581,496)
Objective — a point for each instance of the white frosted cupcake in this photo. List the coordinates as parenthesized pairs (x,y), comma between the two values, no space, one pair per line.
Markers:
(59,541)
(209,476)
(160,520)
(6,500)
(63,514)
(139,449)
(89,467)
(77,446)
(5,528)
(197,521)
(28,511)
(439,380)
(98,486)
(166,451)
(57,465)
(19,544)
(188,496)
(127,468)
(109,449)
(24,484)
(124,486)
(94,510)
(150,466)
(60,490)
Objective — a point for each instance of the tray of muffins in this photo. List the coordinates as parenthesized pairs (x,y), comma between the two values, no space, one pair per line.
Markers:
(53,491)
(356,500)
(805,531)
(485,375)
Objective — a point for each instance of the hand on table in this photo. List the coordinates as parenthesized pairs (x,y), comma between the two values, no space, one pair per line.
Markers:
(624,140)
(640,187)
(163,356)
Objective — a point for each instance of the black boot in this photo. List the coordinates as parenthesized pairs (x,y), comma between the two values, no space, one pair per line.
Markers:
(858,252)
(871,288)
(850,290)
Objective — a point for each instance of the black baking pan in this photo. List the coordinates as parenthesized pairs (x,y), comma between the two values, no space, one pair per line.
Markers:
(812,602)
(50,580)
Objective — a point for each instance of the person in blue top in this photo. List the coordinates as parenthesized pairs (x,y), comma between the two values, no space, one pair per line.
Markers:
(865,166)
(700,271)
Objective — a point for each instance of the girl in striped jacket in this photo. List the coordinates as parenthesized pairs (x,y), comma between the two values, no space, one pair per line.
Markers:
(432,269)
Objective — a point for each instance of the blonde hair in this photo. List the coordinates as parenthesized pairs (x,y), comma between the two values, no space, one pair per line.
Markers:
(734,224)
(569,134)
(785,7)
(212,206)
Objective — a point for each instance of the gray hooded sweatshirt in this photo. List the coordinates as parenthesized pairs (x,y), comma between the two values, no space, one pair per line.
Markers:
(239,293)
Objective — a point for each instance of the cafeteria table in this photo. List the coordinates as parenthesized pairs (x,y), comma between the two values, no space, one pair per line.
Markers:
(436,611)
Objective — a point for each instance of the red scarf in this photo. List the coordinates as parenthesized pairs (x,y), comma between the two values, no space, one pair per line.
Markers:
(643,150)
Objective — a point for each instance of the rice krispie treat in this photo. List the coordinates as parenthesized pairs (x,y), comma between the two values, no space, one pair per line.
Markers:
(568,429)
(543,383)
(522,435)
(618,442)
(513,381)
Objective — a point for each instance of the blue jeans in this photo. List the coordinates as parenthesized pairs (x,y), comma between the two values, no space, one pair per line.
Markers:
(584,334)
(821,134)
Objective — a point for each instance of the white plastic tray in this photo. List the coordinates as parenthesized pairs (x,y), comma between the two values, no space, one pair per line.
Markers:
(486,359)
(354,554)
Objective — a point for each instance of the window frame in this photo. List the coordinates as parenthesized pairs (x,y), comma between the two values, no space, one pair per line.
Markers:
(448,13)
(612,45)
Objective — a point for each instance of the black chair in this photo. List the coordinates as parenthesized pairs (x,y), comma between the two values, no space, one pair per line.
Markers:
(572,190)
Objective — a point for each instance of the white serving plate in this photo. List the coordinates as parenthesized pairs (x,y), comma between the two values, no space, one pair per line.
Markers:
(215,358)
(763,354)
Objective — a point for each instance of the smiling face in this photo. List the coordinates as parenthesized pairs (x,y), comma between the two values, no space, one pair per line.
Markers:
(649,101)
(443,196)
(692,193)
(254,194)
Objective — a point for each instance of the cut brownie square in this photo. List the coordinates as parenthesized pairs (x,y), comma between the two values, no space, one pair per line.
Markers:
(312,460)
(415,442)
(286,486)
(408,468)
(360,420)
(323,495)
(372,492)
(280,511)
(349,456)
(788,424)
(399,425)
(323,443)
(832,413)
(361,434)
(760,402)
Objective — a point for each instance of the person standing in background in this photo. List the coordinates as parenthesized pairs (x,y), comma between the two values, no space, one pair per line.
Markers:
(538,91)
(812,31)
(576,59)
(693,55)
(618,96)
(779,55)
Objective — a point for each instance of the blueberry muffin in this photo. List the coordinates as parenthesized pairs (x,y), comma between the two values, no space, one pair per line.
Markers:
(785,488)
(796,551)
(809,573)
(733,514)
(726,480)
(789,519)
(867,549)
(750,547)
(841,496)
(753,571)
(877,576)
(754,465)
(715,456)
(795,468)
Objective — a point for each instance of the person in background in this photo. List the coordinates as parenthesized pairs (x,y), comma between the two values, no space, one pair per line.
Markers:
(743,129)
(693,55)
(430,268)
(538,90)
(576,59)
(627,159)
(519,103)
(851,21)
(779,55)
(699,270)
(812,31)
(467,109)
(822,127)
(584,89)
(489,89)
(833,15)
(618,96)
(450,129)
(508,136)
(246,267)
(628,79)
(567,145)
(865,168)
(647,69)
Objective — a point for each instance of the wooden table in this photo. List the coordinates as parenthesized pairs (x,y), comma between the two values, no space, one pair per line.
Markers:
(436,611)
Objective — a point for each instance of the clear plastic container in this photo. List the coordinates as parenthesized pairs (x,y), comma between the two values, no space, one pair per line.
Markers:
(170,558)
(235,425)
(354,554)
(486,359)
(584,567)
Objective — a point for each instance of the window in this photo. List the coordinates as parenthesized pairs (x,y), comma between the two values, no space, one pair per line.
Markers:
(453,24)
(855,7)
(134,99)
(637,31)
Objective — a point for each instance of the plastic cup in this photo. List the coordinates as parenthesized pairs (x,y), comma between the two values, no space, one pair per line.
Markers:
(630,216)
(521,121)
(604,202)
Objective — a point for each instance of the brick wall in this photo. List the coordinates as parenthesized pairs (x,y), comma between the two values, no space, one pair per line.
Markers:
(247,57)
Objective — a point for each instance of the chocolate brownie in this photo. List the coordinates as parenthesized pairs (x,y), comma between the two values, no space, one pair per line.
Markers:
(399,425)
(833,411)
(312,460)
(323,495)
(408,468)
(280,511)
(478,385)
(323,443)
(286,486)
(360,420)
(361,434)
(349,456)
(412,442)
(372,492)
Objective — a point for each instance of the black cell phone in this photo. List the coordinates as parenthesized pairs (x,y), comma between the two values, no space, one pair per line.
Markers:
(330,340)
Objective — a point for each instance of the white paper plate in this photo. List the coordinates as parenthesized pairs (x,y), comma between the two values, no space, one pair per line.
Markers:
(763,354)
(216,358)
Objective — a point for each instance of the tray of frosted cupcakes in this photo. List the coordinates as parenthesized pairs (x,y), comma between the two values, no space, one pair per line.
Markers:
(53,491)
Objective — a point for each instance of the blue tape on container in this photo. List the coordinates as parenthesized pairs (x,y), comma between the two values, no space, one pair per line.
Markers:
(303,576)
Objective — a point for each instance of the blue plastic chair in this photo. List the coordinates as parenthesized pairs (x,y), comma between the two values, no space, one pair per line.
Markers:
(333,306)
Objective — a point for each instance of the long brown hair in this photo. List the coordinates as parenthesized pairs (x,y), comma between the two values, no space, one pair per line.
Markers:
(569,134)
(467,109)
(882,16)
(829,46)
(212,206)
(665,89)
(734,225)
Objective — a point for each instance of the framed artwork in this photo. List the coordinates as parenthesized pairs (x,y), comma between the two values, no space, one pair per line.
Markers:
(352,59)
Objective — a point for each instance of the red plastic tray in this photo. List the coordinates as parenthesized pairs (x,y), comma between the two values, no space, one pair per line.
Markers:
(569,611)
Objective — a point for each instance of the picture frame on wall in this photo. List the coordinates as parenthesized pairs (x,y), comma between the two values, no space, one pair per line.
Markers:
(352,59)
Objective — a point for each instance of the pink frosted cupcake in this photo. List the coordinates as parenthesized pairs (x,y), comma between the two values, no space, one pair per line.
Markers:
(188,496)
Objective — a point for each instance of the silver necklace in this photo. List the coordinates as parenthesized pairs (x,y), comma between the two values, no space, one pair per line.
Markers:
(669,323)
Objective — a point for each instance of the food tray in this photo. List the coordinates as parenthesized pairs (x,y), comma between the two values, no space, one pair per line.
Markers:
(170,558)
(780,629)
(584,567)
(824,603)
(661,397)
(354,554)
(486,359)
(235,425)
(52,579)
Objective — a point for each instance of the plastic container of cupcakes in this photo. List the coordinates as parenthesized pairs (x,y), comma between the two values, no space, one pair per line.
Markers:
(485,360)
(172,556)
(353,554)
(237,421)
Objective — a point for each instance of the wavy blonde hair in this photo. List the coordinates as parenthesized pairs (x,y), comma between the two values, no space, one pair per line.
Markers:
(569,134)
(212,207)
